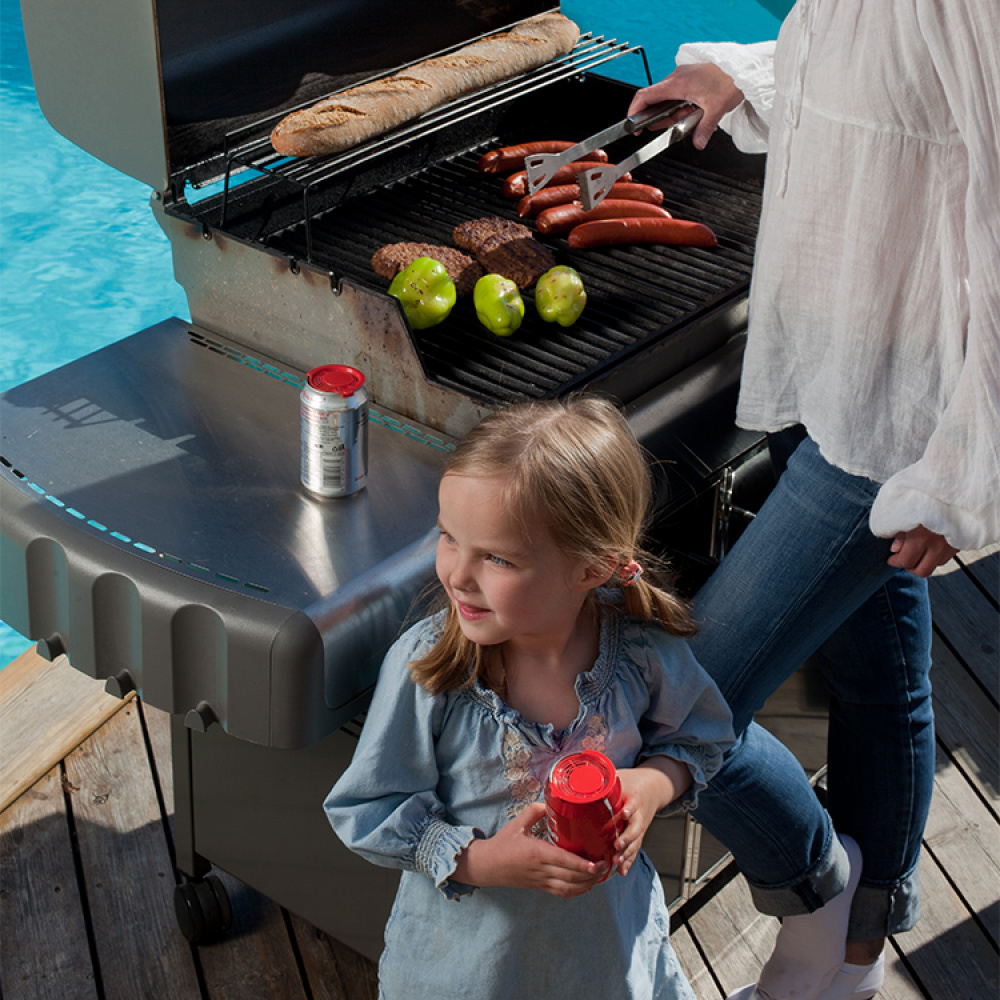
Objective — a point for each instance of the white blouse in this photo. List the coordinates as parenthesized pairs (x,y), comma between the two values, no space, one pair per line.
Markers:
(875,309)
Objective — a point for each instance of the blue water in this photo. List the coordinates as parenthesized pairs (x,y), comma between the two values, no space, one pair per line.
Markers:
(82,261)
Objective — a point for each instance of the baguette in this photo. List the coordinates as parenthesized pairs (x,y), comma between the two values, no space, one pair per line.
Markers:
(361,113)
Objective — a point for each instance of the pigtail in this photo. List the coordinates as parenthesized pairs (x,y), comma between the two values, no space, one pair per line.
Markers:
(648,596)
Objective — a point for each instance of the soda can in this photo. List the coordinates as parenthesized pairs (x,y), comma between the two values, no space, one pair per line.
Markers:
(583,800)
(333,411)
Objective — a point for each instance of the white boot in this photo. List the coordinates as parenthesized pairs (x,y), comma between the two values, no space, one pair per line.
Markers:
(809,950)
(856,982)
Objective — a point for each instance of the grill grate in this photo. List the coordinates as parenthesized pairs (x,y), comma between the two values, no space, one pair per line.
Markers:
(637,296)
(249,147)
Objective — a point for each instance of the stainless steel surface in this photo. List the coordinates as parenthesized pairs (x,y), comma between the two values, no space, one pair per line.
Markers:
(195,454)
(302,317)
(596,182)
(540,167)
(173,457)
(95,67)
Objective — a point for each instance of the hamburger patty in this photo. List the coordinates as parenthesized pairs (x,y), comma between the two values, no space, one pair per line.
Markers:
(521,259)
(389,260)
(473,234)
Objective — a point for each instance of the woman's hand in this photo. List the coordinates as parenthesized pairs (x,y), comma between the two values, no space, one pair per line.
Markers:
(920,551)
(703,84)
(647,789)
(515,857)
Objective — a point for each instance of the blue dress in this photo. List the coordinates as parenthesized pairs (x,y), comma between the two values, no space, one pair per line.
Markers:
(433,772)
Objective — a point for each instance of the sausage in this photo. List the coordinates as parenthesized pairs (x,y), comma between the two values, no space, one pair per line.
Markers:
(510,158)
(516,186)
(562,218)
(615,232)
(563,194)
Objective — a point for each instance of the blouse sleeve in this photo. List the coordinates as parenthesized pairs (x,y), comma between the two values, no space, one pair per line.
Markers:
(752,70)
(953,488)
(385,806)
(687,718)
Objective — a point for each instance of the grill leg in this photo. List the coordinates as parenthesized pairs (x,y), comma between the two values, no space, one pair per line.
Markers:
(187,860)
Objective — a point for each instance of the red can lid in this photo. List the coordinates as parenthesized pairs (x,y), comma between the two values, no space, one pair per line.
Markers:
(342,380)
(587,776)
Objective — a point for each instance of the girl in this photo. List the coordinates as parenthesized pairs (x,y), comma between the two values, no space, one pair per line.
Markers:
(551,641)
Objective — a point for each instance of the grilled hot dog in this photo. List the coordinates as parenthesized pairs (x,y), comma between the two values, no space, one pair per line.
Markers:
(563,218)
(516,186)
(615,232)
(563,194)
(510,158)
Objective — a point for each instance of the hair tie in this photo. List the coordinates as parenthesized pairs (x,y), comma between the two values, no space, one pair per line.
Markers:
(630,572)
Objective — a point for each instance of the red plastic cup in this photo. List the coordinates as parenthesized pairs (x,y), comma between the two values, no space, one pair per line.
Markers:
(583,799)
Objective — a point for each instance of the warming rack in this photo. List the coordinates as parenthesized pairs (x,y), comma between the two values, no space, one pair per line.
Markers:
(249,146)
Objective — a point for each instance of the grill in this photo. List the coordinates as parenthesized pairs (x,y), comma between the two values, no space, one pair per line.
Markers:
(153,526)
(636,295)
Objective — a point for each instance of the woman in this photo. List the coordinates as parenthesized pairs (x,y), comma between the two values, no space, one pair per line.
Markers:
(873,361)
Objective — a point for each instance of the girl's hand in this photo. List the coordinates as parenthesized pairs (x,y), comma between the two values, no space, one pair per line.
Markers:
(515,857)
(703,84)
(920,551)
(647,789)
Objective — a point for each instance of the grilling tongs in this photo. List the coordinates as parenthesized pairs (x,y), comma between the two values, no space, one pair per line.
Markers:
(596,182)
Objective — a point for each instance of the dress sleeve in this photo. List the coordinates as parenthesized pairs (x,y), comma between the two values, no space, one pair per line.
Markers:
(752,70)
(953,488)
(687,718)
(385,806)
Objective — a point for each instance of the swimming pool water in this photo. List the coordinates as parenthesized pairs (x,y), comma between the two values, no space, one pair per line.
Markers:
(82,261)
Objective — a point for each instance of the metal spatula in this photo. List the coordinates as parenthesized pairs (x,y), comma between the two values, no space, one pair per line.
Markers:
(541,167)
(596,182)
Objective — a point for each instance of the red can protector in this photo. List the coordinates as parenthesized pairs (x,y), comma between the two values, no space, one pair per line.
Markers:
(583,799)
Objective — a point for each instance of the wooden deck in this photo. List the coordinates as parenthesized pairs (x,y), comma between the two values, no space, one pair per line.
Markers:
(86,874)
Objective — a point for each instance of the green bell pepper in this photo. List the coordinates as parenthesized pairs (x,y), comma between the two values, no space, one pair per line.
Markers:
(498,304)
(560,295)
(426,292)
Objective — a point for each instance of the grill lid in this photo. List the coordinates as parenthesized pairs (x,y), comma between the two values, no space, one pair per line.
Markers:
(151,89)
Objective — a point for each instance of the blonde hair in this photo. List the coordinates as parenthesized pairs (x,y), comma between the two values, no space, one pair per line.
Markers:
(577,466)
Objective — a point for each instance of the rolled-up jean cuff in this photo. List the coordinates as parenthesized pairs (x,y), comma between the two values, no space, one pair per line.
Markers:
(878,911)
(826,879)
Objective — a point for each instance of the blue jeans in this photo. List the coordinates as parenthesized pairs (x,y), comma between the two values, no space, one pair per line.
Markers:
(808,577)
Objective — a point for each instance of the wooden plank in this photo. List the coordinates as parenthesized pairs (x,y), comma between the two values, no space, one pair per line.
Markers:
(333,971)
(158,726)
(948,953)
(984,568)
(256,958)
(965,720)
(255,961)
(899,984)
(126,865)
(46,709)
(737,938)
(967,619)
(693,963)
(45,953)
(961,836)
